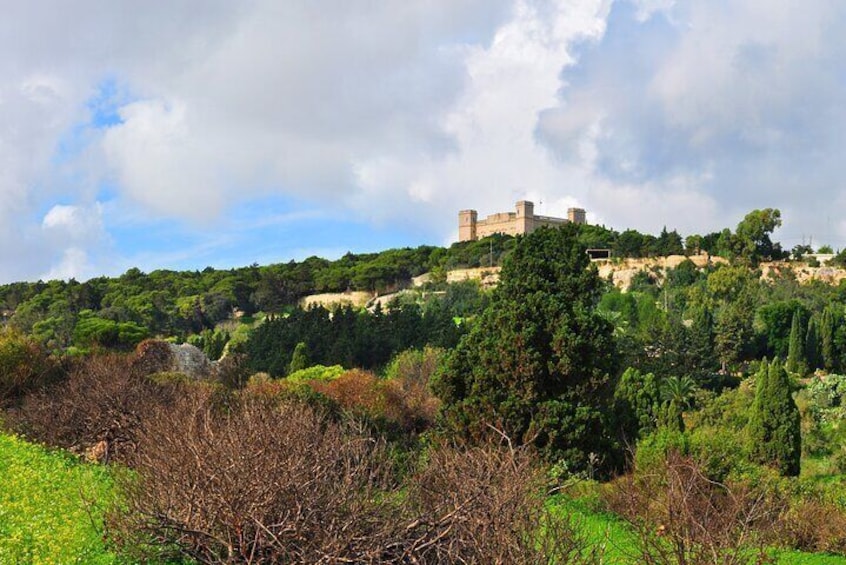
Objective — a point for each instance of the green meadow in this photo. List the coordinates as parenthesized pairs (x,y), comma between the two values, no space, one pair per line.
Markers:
(51,506)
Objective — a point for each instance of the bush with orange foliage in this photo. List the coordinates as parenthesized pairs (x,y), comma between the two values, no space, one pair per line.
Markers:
(356,391)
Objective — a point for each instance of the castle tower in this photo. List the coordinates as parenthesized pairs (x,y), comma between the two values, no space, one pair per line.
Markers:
(525,221)
(467,225)
(525,209)
(577,215)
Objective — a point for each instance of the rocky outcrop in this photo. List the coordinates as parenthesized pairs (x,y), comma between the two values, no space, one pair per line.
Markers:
(158,356)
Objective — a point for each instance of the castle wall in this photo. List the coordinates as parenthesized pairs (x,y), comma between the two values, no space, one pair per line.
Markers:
(509,223)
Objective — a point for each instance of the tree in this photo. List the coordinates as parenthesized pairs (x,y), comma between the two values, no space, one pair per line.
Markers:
(800,250)
(751,241)
(701,342)
(777,318)
(678,390)
(827,349)
(693,244)
(774,427)
(732,333)
(796,362)
(299,359)
(812,346)
(637,401)
(537,364)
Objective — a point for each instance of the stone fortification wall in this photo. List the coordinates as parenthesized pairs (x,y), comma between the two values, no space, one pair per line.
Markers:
(524,221)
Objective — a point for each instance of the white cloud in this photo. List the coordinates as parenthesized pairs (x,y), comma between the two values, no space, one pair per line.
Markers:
(73,264)
(646,112)
(739,99)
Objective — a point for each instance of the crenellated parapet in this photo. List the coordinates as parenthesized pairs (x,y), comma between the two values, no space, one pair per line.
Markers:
(523,221)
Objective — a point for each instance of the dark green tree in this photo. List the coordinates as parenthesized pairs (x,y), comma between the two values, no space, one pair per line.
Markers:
(701,343)
(827,348)
(812,346)
(637,401)
(796,362)
(774,426)
(537,364)
(732,333)
(755,429)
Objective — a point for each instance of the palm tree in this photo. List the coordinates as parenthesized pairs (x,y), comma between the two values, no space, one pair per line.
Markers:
(679,390)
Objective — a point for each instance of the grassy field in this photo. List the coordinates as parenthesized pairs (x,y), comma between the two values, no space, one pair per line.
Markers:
(46,513)
(619,546)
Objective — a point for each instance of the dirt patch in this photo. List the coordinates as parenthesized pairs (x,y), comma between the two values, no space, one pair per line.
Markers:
(356,299)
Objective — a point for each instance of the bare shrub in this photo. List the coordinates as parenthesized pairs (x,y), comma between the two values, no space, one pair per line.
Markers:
(99,408)
(232,370)
(485,504)
(681,516)
(24,366)
(153,356)
(252,484)
(259,482)
(814,526)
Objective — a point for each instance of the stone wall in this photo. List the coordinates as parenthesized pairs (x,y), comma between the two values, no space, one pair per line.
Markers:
(524,221)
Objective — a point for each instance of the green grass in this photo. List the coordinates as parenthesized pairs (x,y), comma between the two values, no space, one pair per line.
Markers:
(46,510)
(619,545)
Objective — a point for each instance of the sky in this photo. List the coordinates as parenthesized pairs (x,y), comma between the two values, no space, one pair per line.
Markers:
(183,134)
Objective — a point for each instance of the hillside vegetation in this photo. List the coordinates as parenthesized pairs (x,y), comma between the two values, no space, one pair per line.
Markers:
(693,417)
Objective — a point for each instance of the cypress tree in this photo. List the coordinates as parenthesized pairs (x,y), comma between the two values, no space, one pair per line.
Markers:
(796,347)
(537,364)
(756,430)
(701,342)
(786,446)
(637,404)
(299,359)
(774,428)
(812,346)
(827,350)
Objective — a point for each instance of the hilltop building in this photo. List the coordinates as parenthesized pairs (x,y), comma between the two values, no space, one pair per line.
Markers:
(470,228)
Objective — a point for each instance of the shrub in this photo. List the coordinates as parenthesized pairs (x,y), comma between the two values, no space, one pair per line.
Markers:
(357,391)
(814,525)
(153,356)
(679,515)
(99,407)
(486,504)
(24,366)
(299,487)
(315,373)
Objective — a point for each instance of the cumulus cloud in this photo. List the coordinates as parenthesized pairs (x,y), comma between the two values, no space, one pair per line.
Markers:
(646,112)
(727,106)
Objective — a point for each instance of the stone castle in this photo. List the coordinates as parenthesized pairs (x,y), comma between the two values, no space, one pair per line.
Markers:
(470,228)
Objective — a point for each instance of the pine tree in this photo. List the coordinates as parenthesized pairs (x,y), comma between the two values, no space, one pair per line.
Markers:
(701,342)
(796,347)
(812,346)
(537,364)
(774,428)
(827,350)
